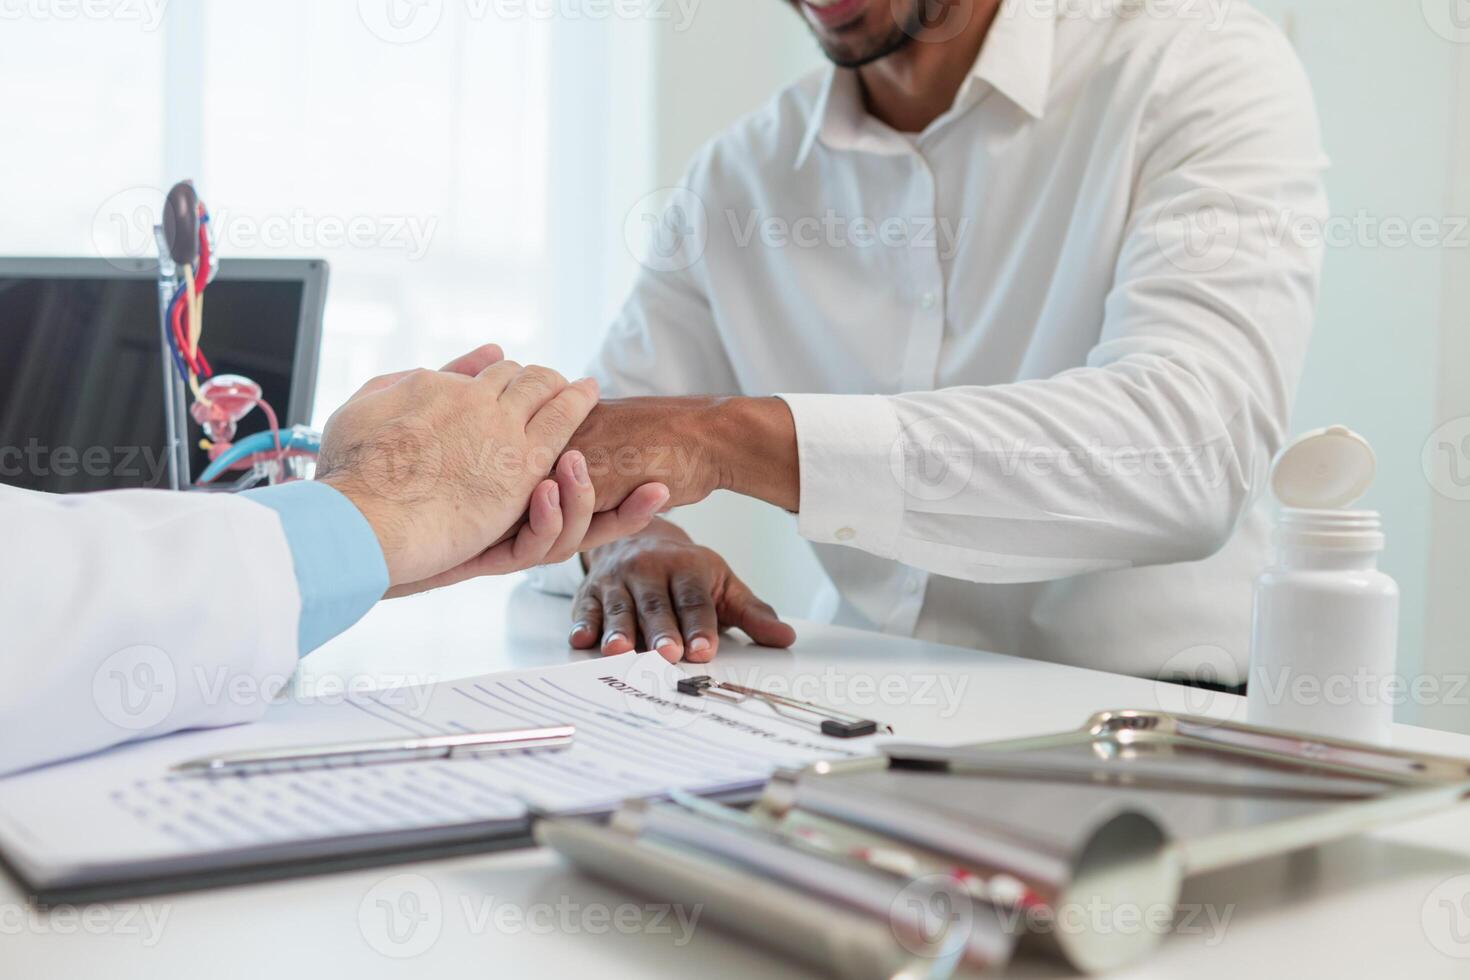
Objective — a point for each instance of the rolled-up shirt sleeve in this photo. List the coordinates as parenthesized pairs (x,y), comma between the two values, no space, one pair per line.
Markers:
(1154,449)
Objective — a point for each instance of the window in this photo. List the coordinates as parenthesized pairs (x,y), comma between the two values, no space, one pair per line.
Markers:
(457,163)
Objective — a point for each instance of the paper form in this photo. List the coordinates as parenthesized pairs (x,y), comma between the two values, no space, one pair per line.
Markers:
(636,737)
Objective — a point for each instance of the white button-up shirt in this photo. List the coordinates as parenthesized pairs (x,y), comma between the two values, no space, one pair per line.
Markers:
(1039,355)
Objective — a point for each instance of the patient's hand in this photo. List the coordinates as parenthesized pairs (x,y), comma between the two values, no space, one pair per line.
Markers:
(661,591)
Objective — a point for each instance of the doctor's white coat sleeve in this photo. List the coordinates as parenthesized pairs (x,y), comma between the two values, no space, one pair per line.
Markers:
(1154,450)
(135,613)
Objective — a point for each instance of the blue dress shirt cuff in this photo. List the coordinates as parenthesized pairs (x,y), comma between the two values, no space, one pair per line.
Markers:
(339,565)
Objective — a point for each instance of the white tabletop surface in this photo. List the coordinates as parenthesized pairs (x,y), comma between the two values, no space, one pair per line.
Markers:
(1396,903)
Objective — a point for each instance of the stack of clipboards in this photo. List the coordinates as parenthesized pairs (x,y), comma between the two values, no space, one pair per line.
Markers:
(925,861)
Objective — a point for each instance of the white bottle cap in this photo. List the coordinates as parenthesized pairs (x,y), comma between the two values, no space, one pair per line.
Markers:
(1327,469)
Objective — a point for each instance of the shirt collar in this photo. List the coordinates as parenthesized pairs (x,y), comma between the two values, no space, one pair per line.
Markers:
(838,114)
(1015,60)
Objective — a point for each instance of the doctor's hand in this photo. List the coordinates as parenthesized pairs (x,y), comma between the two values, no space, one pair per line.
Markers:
(444,464)
(659,590)
(559,523)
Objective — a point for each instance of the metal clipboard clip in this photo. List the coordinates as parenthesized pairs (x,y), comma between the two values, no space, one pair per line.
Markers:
(828,721)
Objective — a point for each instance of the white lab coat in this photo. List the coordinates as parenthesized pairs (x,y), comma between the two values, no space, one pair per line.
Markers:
(136,613)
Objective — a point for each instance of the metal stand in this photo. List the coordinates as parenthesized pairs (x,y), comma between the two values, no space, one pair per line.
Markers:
(175,406)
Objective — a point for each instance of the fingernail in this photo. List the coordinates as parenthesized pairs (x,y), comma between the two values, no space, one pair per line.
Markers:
(613,638)
(579,470)
(698,645)
(665,644)
(555,495)
(579,631)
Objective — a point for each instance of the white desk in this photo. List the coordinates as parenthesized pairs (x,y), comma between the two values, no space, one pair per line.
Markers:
(1367,907)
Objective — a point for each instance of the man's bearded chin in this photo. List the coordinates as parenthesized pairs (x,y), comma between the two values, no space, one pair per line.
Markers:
(857,47)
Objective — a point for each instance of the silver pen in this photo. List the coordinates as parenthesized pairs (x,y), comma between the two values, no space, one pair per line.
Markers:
(417,749)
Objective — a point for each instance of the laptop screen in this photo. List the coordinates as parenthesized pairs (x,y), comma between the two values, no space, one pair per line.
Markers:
(81,392)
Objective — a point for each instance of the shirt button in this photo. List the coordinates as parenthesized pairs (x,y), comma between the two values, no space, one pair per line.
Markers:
(911,586)
(845,534)
(928,300)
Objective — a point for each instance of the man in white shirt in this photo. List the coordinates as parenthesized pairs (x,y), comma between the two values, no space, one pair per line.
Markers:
(1028,280)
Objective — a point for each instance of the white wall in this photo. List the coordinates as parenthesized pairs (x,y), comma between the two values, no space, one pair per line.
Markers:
(734,55)
(1447,613)
(1386,85)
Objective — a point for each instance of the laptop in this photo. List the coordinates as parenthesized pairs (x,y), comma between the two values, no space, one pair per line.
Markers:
(81,386)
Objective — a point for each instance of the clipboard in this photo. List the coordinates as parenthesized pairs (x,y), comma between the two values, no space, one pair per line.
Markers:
(129,822)
(360,855)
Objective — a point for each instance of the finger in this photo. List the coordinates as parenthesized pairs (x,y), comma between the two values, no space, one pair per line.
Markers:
(470,364)
(578,500)
(498,376)
(756,618)
(476,360)
(542,530)
(619,623)
(530,390)
(586,618)
(656,617)
(695,606)
(632,516)
(554,424)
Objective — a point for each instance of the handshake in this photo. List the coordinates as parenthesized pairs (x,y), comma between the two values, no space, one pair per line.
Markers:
(486,467)
(464,472)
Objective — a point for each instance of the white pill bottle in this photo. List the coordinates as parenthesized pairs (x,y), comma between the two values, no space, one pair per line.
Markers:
(1325,628)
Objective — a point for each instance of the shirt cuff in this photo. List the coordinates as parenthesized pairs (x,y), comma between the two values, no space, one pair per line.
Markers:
(340,570)
(852,471)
